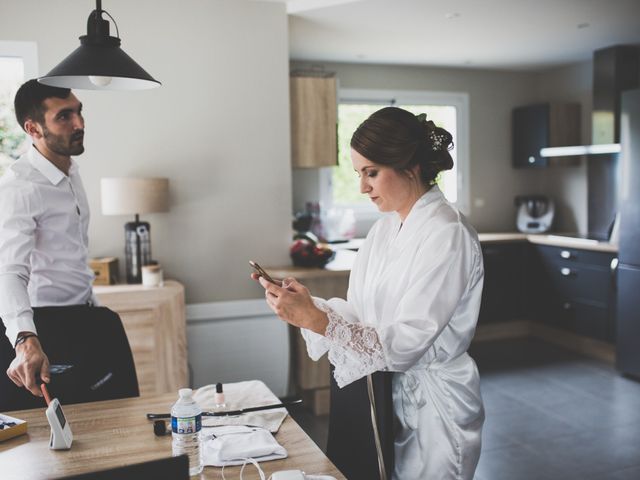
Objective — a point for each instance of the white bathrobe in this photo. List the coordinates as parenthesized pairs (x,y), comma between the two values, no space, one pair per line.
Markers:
(412,307)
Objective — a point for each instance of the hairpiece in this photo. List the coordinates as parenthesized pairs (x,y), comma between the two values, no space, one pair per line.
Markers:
(438,141)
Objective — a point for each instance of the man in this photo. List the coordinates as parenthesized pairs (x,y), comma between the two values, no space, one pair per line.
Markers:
(44,218)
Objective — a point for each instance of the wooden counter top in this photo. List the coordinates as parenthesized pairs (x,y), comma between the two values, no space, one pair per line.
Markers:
(556,240)
(571,242)
(502,237)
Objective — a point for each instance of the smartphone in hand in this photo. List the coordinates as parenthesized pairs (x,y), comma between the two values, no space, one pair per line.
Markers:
(261,272)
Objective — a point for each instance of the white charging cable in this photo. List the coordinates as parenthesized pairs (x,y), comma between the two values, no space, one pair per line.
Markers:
(244,464)
(262,474)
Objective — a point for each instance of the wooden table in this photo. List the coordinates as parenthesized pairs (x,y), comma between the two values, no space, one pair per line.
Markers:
(116,432)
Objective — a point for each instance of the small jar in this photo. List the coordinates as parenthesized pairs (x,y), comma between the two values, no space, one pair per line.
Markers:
(152,276)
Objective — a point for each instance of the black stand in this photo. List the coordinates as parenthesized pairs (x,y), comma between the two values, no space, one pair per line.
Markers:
(351,445)
(137,248)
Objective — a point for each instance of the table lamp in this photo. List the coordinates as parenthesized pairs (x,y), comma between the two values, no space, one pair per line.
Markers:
(135,196)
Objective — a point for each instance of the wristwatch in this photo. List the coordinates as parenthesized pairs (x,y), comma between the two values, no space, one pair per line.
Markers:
(22,337)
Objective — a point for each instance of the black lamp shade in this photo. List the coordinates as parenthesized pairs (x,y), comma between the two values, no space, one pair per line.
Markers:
(99,63)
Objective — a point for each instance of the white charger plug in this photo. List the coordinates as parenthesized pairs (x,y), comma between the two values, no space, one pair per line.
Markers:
(288,475)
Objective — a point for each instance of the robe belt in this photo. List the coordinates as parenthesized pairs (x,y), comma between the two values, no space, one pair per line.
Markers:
(415,383)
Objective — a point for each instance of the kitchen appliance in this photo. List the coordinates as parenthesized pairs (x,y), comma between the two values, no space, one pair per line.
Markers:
(535,213)
(628,278)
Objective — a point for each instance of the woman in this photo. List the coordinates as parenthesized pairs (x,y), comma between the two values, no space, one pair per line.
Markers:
(413,300)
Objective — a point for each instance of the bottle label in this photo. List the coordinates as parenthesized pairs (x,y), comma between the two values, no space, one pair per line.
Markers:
(186,424)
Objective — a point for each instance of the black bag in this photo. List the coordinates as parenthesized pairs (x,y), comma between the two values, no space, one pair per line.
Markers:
(351,445)
(90,339)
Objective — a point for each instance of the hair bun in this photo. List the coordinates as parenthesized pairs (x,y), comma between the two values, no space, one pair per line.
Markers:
(440,140)
(437,138)
(399,139)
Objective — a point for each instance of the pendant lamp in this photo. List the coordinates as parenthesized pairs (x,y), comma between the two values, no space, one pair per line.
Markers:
(99,63)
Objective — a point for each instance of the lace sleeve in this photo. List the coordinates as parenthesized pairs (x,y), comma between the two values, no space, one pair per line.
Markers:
(354,349)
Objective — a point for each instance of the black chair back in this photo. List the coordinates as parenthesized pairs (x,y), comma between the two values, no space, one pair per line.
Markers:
(351,445)
(92,341)
(173,468)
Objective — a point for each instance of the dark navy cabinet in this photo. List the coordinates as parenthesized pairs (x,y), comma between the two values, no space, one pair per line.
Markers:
(567,288)
(544,125)
(577,290)
(530,134)
(504,282)
(628,298)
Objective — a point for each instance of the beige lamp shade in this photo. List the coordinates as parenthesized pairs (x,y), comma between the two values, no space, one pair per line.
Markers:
(131,196)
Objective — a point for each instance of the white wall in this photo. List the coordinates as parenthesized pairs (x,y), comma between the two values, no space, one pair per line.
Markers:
(218,128)
(236,341)
(568,184)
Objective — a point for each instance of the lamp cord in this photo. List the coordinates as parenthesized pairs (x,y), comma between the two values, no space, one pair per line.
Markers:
(114,22)
(99,10)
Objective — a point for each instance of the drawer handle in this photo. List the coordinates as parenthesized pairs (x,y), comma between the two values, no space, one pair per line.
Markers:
(566,271)
(614,271)
(565,254)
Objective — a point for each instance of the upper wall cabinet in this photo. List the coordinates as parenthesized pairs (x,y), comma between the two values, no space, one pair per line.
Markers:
(540,126)
(314,119)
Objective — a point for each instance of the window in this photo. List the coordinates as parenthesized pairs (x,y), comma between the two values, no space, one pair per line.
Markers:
(448,110)
(17,63)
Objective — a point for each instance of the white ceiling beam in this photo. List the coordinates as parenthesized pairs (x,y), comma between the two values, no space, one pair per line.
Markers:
(299,6)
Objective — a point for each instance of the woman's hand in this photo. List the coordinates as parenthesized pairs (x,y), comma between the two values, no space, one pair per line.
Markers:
(293,304)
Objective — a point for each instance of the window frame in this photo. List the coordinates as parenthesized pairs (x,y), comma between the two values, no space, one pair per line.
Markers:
(27,51)
(459,100)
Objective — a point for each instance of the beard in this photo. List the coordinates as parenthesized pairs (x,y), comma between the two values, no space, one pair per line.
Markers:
(62,145)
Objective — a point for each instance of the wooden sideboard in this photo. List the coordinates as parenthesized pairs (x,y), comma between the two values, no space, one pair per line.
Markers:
(155,322)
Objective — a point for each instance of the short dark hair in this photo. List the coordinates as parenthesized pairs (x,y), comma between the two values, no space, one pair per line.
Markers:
(29,99)
(399,139)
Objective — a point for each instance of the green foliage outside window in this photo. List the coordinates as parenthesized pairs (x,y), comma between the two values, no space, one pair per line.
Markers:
(345,181)
(13,140)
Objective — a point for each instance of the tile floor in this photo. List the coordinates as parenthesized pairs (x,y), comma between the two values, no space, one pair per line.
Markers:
(550,414)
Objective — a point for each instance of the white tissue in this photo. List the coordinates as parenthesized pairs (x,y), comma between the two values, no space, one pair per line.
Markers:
(231,445)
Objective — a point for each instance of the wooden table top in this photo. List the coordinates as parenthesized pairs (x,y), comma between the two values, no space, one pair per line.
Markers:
(116,432)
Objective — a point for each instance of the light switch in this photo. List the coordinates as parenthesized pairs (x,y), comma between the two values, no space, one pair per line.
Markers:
(478,202)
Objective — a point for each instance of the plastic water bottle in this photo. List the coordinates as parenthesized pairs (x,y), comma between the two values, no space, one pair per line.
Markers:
(186,422)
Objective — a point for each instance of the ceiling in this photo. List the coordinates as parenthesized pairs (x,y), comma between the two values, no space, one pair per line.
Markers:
(493,34)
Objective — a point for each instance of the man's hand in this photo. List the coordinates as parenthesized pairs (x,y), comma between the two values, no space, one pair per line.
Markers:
(30,360)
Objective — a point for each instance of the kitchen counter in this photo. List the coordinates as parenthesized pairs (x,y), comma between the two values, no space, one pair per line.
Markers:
(556,240)
(501,237)
(345,256)
(573,242)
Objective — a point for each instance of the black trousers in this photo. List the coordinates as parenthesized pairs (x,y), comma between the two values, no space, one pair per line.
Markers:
(351,445)
(92,340)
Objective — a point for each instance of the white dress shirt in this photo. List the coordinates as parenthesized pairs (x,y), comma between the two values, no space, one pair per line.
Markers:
(412,307)
(44,219)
